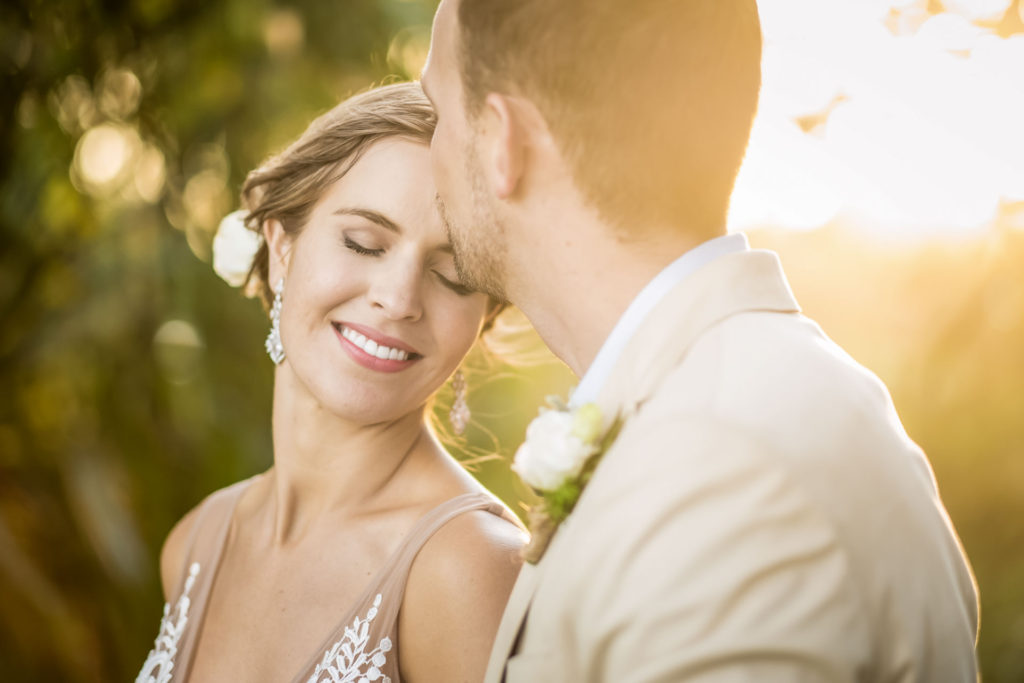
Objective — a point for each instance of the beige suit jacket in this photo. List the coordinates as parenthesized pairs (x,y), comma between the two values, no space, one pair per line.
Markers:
(762,516)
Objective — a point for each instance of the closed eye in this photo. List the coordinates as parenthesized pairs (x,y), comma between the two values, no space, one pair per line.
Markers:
(360,249)
(461,290)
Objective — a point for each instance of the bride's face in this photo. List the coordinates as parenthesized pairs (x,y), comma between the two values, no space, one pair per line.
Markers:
(374,318)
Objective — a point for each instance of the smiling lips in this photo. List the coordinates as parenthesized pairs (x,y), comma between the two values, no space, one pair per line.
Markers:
(373,350)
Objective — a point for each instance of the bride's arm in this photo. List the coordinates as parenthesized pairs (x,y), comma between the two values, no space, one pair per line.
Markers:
(455,596)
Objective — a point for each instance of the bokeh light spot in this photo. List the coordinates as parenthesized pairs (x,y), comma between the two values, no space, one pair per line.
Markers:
(407,52)
(206,199)
(150,174)
(283,32)
(119,93)
(103,156)
(73,105)
(178,349)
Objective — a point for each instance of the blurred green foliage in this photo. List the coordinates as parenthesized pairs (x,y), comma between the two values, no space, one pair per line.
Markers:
(133,381)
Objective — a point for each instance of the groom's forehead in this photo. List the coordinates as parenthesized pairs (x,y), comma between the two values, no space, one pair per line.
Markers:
(440,72)
(445,28)
(442,41)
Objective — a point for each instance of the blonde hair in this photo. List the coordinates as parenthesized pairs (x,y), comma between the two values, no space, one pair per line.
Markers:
(287,186)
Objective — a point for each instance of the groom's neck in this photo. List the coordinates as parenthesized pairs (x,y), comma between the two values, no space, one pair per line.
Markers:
(578,280)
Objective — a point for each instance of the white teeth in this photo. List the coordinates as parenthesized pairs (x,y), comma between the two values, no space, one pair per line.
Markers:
(373,348)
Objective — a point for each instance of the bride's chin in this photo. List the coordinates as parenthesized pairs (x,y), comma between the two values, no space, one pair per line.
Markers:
(356,401)
(374,412)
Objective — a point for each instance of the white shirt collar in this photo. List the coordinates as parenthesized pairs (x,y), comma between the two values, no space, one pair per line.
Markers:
(644,303)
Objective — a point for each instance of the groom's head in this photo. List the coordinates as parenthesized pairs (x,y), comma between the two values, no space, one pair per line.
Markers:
(645,106)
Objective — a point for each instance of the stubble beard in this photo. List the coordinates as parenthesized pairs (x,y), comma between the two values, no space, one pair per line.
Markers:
(479,249)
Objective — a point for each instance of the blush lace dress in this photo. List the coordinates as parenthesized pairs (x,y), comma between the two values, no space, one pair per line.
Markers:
(360,649)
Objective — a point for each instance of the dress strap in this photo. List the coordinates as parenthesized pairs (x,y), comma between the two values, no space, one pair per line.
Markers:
(392,582)
(202,559)
(210,526)
(431,522)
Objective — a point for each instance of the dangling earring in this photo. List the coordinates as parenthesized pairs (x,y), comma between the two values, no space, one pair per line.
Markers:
(459,414)
(273,345)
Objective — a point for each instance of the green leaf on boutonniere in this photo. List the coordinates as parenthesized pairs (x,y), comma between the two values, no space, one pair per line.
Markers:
(559,503)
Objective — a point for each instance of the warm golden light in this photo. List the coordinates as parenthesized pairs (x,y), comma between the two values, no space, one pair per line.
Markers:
(206,198)
(178,349)
(283,32)
(103,156)
(119,93)
(979,10)
(150,174)
(407,52)
(878,113)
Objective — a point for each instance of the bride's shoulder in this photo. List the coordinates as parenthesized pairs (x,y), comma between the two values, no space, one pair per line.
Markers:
(456,592)
(172,555)
(472,540)
(188,528)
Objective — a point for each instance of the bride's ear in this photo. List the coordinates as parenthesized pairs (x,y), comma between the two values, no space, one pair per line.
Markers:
(279,246)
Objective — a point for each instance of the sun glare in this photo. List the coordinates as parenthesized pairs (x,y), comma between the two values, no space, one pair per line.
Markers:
(875,111)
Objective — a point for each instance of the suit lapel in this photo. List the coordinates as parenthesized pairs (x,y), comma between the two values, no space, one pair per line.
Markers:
(736,283)
(512,622)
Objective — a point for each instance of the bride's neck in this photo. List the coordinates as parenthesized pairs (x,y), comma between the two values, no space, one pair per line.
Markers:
(325,464)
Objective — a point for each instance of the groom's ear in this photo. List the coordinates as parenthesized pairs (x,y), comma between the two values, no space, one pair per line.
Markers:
(279,246)
(509,127)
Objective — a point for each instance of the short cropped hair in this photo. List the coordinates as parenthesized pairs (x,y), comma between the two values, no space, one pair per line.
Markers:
(650,101)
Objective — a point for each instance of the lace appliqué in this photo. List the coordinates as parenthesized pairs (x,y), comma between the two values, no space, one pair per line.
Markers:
(160,662)
(348,661)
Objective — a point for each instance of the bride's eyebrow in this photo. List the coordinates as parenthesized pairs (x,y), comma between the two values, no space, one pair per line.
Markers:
(372,216)
(385,222)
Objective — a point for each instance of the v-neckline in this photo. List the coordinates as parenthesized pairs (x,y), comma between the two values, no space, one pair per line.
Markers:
(205,588)
(378,578)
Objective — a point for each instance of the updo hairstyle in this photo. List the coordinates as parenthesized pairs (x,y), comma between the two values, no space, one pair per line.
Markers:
(287,186)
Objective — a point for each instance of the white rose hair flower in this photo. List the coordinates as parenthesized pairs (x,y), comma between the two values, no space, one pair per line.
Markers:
(234,248)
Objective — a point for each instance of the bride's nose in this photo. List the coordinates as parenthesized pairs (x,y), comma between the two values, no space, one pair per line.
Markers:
(396,290)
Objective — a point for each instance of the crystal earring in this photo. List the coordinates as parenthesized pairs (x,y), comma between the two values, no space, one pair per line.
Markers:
(459,414)
(273,345)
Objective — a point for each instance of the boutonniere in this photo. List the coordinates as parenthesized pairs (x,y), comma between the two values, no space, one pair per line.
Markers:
(562,449)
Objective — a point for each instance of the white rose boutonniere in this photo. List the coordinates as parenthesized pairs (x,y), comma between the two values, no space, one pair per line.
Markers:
(234,248)
(558,457)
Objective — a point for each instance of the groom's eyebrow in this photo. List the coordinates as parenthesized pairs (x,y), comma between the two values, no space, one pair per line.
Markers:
(372,216)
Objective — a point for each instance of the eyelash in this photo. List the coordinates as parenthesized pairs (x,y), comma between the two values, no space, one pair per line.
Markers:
(360,249)
(461,290)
